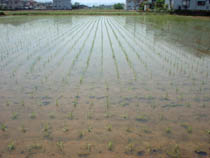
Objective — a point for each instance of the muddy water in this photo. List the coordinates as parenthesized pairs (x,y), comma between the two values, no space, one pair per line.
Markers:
(85,86)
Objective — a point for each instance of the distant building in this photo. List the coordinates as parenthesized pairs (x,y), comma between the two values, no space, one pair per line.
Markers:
(44,5)
(15,4)
(149,4)
(20,4)
(188,4)
(105,6)
(3,4)
(133,4)
(62,4)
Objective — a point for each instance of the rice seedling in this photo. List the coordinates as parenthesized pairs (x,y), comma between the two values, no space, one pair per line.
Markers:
(146,130)
(90,129)
(47,134)
(203,105)
(162,117)
(47,131)
(75,103)
(60,146)
(110,146)
(14,116)
(109,128)
(181,97)
(150,97)
(107,115)
(57,103)
(177,90)
(35,146)
(187,127)
(168,130)
(175,152)
(153,106)
(7,103)
(11,146)
(23,129)
(91,105)
(128,130)
(32,115)
(46,127)
(142,118)
(124,104)
(65,129)
(130,148)
(3,127)
(125,116)
(23,103)
(188,105)
(52,116)
(89,147)
(81,134)
(166,96)
(70,116)
(107,102)
(89,116)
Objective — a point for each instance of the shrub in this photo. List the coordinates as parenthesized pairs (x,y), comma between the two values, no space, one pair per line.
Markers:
(2,13)
(118,6)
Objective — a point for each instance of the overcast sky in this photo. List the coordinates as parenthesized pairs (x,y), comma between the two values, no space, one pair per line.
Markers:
(98,1)
(92,2)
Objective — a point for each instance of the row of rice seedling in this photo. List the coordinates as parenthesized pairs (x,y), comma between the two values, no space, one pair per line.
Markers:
(125,54)
(113,53)
(170,51)
(162,62)
(69,34)
(90,54)
(53,67)
(130,45)
(102,48)
(46,36)
(75,59)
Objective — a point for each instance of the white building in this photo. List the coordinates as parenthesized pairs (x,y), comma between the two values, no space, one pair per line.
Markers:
(188,4)
(62,4)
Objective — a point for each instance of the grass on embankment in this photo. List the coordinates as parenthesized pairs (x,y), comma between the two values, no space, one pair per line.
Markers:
(74,12)
(2,13)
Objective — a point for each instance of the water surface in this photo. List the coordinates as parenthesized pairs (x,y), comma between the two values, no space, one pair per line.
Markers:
(104,86)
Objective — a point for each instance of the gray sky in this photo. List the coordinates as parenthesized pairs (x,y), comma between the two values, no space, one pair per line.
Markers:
(90,2)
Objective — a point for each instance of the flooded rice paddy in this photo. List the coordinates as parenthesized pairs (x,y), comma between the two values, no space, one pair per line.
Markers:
(103,86)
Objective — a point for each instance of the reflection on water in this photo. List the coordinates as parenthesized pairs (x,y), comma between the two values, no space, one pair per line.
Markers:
(97,86)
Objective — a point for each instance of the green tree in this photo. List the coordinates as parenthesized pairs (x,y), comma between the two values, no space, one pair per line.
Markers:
(159,3)
(76,5)
(118,6)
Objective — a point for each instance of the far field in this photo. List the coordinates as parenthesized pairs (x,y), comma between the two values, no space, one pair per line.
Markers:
(73,12)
